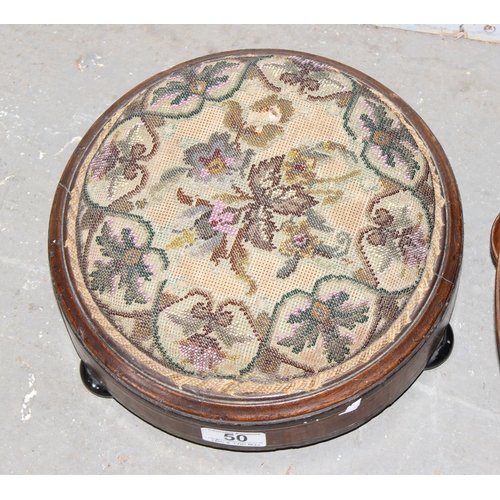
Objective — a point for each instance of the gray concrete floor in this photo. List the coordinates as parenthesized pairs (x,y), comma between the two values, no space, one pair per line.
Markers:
(56,81)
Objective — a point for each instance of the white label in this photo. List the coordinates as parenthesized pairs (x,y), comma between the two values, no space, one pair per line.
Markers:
(231,438)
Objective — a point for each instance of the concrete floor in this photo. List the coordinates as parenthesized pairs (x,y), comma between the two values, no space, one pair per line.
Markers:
(56,81)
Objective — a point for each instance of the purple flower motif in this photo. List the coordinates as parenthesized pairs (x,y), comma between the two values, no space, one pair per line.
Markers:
(397,239)
(104,161)
(306,75)
(413,246)
(206,226)
(202,351)
(217,159)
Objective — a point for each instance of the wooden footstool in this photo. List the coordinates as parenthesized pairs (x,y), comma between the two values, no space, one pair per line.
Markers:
(257,250)
(495,250)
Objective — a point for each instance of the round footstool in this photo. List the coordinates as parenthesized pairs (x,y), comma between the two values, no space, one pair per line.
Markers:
(257,250)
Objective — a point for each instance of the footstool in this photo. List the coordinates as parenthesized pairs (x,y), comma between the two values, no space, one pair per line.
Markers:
(257,250)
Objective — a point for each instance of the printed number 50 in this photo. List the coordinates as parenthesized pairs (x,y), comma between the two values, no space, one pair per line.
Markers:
(231,436)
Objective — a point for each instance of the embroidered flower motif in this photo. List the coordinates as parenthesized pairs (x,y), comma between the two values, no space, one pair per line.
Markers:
(215,222)
(210,331)
(326,318)
(221,221)
(193,81)
(104,161)
(204,228)
(299,74)
(301,243)
(118,162)
(298,168)
(394,143)
(413,246)
(310,76)
(127,265)
(216,159)
(202,352)
(398,238)
(270,197)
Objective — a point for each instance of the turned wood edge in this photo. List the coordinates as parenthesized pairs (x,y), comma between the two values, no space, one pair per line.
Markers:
(305,430)
(497,305)
(494,248)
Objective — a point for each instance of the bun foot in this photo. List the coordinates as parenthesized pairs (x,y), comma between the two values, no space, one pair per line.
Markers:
(91,382)
(443,350)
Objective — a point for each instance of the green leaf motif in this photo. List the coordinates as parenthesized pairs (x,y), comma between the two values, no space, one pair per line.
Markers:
(194,84)
(317,221)
(395,143)
(326,318)
(288,268)
(172,173)
(127,263)
(341,248)
(170,88)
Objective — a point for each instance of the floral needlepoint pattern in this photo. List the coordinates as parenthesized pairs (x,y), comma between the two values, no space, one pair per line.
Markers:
(301,243)
(413,246)
(207,337)
(204,228)
(202,352)
(217,159)
(326,318)
(394,144)
(220,220)
(259,219)
(127,268)
(298,167)
(397,238)
(115,162)
(315,80)
(104,161)
(197,81)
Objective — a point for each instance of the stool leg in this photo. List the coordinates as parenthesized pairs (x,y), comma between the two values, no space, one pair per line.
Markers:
(91,382)
(443,350)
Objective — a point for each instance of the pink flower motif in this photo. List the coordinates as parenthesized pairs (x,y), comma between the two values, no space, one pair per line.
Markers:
(413,246)
(221,221)
(104,161)
(330,295)
(202,351)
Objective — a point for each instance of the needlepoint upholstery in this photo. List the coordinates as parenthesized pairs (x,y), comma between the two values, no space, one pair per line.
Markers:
(255,224)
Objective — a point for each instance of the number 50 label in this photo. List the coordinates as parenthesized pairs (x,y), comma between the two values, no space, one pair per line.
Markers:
(254,439)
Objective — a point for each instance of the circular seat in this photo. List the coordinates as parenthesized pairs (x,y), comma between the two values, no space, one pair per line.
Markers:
(257,249)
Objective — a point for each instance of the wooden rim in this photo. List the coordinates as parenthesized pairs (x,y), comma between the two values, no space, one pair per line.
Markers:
(495,239)
(145,383)
(494,248)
